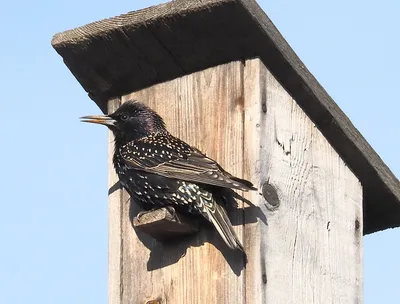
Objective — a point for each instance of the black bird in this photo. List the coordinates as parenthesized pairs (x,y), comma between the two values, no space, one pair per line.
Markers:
(158,169)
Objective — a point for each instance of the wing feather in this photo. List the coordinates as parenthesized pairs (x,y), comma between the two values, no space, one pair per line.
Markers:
(184,163)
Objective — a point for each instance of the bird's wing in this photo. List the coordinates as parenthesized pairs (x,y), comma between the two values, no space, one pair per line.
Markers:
(201,169)
(185,163)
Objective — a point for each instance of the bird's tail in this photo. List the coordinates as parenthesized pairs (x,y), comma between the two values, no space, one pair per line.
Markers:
(220,220)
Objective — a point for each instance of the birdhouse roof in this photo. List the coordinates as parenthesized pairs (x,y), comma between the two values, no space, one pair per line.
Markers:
(116,56)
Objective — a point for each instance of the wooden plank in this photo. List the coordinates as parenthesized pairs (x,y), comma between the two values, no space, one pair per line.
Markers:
(206,110)
(114,220)
(138,49)
(310,250)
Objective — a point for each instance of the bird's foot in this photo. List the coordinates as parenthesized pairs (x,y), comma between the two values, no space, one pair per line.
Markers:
(172,212)
(141,213)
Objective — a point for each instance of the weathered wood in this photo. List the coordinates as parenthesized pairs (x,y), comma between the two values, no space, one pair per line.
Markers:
(115,202)
(138,49)
(165,224)
(206,110)
(310,251)
(303,241)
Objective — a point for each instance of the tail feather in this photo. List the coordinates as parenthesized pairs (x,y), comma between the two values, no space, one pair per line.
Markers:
(220,220)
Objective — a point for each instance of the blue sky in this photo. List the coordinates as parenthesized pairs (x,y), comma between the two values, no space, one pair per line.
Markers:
(53,223)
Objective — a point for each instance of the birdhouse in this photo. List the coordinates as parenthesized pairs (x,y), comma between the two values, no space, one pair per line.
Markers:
(226,82)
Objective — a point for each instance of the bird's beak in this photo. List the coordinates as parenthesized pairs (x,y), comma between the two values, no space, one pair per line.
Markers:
(99,119)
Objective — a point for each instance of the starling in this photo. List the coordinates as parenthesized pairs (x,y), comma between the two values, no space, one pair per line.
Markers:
(158,169)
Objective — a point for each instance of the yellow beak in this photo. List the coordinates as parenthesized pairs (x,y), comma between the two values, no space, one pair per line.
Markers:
(99,119)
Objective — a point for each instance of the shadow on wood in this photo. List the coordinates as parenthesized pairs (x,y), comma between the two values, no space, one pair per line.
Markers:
(168,234)
(117,186)
(250,214)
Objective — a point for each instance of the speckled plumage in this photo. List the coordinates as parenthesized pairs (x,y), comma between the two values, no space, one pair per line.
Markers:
(158,169)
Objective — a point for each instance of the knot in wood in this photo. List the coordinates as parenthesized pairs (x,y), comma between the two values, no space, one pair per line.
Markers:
(357,224)
(270,195)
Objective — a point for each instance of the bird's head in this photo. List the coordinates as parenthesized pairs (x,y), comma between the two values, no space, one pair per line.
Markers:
(132,120)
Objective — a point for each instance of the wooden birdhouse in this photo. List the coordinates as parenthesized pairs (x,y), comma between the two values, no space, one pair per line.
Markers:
(225,81)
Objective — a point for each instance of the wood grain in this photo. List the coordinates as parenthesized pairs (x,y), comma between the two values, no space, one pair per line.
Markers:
(310,251)
(139,49)
(114,219)
(206,110)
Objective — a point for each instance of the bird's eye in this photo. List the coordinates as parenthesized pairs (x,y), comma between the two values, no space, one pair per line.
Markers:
(124,117)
